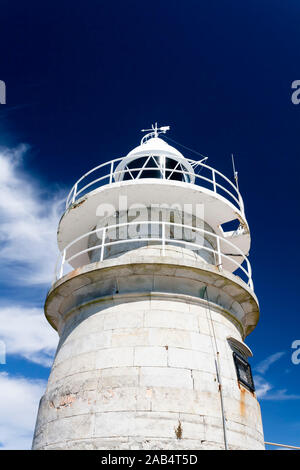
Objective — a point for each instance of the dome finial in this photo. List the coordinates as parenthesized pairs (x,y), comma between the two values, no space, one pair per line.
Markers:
(154,132)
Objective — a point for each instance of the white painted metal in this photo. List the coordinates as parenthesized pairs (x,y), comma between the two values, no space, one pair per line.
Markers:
(84,216)
(115,173)
(154,132)
(232,264)
(282,445)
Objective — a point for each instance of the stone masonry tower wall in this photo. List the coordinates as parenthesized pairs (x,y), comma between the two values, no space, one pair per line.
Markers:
(149,336)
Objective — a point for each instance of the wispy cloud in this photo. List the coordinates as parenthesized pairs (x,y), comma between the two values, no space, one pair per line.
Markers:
(264,389)
(29,216)
(28,224)
(262,386)
(28,221)
(19,399)
(281,395)
(264,365)
(27,334)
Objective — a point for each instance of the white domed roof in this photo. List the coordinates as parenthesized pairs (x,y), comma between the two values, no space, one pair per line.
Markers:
(155,152)
(154,145)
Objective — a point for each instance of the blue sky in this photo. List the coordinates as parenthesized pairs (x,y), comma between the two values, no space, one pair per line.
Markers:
(82,79)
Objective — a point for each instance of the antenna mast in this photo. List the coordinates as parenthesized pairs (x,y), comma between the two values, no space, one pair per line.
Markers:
(235,173)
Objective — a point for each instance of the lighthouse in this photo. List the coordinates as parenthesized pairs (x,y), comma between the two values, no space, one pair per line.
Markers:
(152,300)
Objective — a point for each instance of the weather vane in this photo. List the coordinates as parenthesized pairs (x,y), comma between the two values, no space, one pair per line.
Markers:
(154,132)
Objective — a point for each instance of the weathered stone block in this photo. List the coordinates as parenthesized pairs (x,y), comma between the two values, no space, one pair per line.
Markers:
(165,377)
(150,356)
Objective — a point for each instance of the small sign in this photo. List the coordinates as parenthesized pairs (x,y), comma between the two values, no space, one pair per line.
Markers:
(243,371)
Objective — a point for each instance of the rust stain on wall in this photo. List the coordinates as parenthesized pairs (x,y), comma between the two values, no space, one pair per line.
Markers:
(242,402)
(77,204)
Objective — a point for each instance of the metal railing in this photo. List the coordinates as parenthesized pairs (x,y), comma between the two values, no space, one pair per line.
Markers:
(103,233)
(109,174)
(282,445)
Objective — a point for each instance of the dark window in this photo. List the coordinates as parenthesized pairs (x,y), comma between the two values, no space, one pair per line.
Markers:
(177,174)
(243,371)
(152,170)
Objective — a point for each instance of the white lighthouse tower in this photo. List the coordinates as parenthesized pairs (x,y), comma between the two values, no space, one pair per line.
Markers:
(152,302)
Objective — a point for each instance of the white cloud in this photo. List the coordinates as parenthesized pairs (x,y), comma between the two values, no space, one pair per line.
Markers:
(26,333)
(262,386)
(264,365)
(264,389)
(29,217)
(281,395)
(19,399)
(28,222)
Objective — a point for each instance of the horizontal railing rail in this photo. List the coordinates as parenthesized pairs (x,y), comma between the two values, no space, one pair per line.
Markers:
(109,174)
(286,446)
(163,239)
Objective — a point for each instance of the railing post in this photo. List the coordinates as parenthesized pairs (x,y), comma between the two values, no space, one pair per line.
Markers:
(219,254)
(102,244)
(56,269)
(61,271)
(163,235)
(111,172)
(74,193)
(249,269)
(214,180)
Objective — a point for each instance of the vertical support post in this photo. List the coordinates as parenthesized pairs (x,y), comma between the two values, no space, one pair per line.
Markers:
(102,244)
(74,193)
(111,172)
(56,269)
(249,270)
(214,180)
(163,235)
(61,271)
(219,254)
